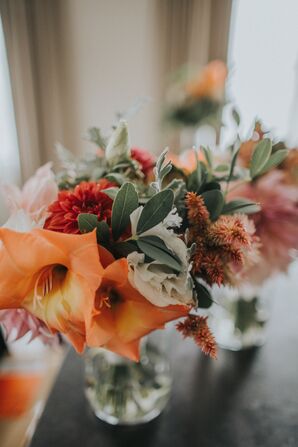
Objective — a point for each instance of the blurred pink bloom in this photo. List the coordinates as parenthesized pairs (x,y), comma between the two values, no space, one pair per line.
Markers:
(251,254)
(35,196)
(18,322)
(276,223)
(146,160)
(28,208)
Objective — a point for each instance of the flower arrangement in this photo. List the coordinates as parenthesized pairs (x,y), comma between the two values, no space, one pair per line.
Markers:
(118,244)
(200,100)
(276,190)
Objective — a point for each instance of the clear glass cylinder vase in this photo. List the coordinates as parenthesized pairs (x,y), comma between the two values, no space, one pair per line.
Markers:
(238,317)
(124,392)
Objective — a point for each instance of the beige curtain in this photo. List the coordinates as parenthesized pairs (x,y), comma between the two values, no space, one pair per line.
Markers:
(38,67)
(196,31)
(65,69)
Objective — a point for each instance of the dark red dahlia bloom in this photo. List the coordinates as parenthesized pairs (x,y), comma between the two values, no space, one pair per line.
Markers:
(146,160)
(87,197)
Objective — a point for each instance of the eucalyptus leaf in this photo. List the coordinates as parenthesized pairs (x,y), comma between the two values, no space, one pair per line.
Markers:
(155,210)
(123,249)
(221,168)
(94,135)
(161,170)
(275,159)
(111,192)
(236,116)
(115,177)
(233,163)
(209,186)
(87,222)
(208,156)
(260,156)
(241,206)
(159,243)
(214,201)
(102,232)
(203,295)
(126,201)
(158,254)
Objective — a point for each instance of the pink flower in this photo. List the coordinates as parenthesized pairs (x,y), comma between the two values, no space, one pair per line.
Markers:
(144,158)
(28,209)
(35,196)
(276,223)
(18,322)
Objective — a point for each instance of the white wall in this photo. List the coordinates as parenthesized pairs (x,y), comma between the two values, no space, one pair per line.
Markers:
(113,56)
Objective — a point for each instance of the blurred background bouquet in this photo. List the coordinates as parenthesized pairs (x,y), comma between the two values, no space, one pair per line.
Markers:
(240,323)
(198,101)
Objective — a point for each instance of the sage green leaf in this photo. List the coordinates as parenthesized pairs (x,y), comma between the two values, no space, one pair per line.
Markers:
(126,201)
(102,232)
(221,168)
(208,156)
(115,177)
(241,206)
(214,201)
(233,163)
(210,185)
(161,170)
(203,295)
(87,222)
(95,136)
(236,116)
(155,210)
(123,249)
(275,159)
(156,253)
(159,243)
(111,192)
(260,156)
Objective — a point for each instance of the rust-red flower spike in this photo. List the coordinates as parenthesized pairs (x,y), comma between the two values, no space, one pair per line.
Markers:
(228,230)
(196,327)
(197,212)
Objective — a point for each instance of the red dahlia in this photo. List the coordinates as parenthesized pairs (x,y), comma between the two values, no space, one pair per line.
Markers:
(87,197)
(146,160)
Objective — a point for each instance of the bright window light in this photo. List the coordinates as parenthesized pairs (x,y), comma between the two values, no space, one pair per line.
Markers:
(9,151)
(263,63)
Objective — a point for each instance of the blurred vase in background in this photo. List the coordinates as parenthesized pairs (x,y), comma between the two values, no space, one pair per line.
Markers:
(238,317)
(123,392)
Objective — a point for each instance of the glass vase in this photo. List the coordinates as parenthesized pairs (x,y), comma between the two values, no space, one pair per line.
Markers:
(238,317)
(124,392)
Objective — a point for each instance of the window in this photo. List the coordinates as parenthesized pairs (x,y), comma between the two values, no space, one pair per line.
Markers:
(9,152)
(263,63)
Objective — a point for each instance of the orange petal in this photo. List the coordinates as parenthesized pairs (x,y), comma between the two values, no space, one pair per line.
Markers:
(130,350)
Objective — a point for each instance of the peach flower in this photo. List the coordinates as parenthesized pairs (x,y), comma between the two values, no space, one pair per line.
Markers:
(187,160)
(52,275)
(210,83)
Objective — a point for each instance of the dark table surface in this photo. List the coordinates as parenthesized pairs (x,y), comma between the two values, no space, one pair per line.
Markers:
(244,399)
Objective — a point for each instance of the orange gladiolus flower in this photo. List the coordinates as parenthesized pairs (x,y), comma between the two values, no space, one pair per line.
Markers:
(52,275)
(78,289)
(121,315)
